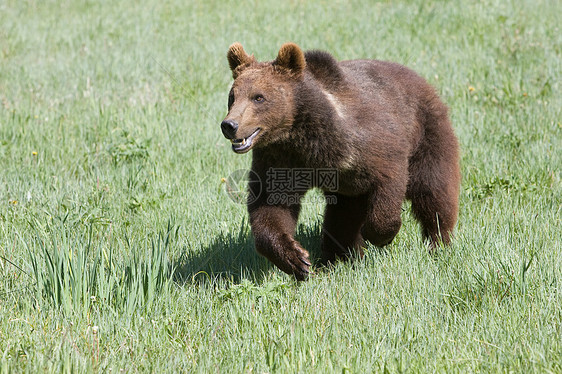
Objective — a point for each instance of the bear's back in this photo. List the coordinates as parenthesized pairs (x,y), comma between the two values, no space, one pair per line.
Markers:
(362,75)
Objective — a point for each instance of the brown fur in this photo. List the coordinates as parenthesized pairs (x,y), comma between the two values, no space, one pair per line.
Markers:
(382,127)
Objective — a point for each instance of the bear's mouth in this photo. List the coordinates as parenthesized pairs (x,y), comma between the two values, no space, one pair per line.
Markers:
(243,145)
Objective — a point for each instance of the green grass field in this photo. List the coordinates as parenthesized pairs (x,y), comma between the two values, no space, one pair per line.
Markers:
(120,249)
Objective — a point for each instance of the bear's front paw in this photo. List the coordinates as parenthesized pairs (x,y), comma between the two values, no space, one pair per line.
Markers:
(287,254)
(294,259)
(299,261)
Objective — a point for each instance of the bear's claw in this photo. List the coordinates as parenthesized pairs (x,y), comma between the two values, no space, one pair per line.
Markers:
(298,261)
(288,255)
(306,262)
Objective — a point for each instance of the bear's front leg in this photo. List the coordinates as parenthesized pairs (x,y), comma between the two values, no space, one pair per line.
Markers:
(343,219)
(273,227)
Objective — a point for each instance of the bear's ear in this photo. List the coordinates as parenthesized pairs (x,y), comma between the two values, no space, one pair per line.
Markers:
(291,57)
(237,57)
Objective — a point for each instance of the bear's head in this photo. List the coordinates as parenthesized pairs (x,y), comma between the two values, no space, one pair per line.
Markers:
(261,105)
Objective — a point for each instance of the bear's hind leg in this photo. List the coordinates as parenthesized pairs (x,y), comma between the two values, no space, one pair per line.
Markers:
(383,220)
(436,209)
(341,231)
(434,192)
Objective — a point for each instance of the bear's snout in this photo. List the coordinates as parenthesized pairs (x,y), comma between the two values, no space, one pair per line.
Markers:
(229,128)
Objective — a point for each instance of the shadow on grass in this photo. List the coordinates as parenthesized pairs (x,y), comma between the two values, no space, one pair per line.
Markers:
(232,257)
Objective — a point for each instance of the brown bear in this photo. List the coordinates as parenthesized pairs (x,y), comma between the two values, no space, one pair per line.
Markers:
(376,130)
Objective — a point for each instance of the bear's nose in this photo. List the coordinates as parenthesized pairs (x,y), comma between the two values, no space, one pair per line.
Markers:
(229,128)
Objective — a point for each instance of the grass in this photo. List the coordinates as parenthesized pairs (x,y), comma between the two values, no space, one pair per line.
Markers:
(119,248)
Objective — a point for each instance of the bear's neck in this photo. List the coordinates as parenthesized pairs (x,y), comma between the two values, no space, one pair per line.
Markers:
(318,137)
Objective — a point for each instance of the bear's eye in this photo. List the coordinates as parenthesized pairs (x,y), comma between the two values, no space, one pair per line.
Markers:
(230,99)
(259,98)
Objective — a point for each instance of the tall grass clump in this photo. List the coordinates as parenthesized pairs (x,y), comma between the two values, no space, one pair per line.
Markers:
(72,269)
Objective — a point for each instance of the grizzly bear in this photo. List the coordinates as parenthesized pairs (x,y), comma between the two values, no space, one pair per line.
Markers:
(377,127)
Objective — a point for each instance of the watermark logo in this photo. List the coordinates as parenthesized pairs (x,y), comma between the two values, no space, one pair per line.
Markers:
(238,183)
(280,198)
(301,179)
(284,186)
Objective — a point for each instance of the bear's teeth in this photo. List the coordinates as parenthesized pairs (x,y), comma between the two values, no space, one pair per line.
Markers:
(239,142)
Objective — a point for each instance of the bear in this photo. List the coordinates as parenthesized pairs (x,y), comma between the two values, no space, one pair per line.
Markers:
(377,126)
